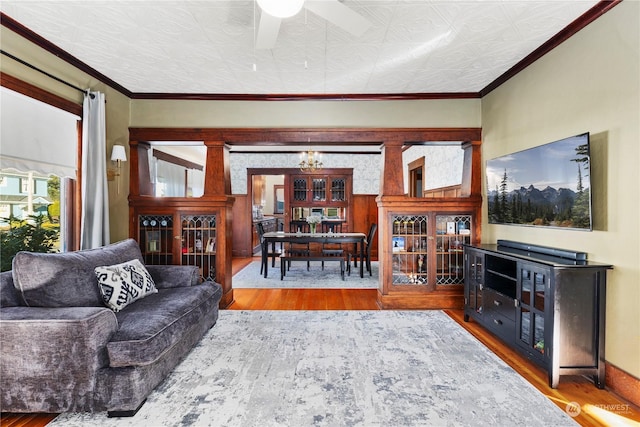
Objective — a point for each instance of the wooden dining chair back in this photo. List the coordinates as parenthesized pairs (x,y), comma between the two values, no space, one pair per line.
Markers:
(299,249)
(367,250)
(272,251)
(332,249)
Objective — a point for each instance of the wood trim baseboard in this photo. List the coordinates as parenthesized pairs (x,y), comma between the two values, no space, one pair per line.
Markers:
(622,383)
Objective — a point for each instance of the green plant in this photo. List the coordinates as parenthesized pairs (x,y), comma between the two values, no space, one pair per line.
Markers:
(31,234)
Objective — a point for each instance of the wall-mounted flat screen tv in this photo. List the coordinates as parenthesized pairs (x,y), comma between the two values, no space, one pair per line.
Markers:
(546,186)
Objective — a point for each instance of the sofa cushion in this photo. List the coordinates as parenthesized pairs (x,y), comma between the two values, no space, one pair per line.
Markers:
(151,326)
(67,279)
(9,296)
(124,283)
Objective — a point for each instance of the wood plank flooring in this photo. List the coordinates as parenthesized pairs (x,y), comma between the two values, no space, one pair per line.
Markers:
(598,407)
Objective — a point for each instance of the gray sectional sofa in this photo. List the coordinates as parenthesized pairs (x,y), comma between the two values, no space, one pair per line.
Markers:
(63,350)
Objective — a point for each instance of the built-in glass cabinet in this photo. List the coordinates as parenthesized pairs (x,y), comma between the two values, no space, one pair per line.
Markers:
(327,194)
(427,249)
(192,240)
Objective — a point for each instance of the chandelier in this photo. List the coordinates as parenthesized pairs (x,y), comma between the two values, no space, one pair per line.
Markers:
(311,163)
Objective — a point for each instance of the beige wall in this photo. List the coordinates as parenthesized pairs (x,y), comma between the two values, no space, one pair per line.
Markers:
(419,113)
(590,83)
(117,108)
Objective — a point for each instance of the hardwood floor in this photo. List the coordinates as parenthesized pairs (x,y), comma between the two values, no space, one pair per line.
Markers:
(597,407)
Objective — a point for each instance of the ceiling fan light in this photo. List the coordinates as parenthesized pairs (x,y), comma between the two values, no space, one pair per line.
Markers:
(281,8)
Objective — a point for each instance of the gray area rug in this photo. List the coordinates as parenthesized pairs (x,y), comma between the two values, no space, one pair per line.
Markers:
(339,368)
(299,277)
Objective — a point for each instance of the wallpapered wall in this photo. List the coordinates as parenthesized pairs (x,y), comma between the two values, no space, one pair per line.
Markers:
(443,166)
(366,168)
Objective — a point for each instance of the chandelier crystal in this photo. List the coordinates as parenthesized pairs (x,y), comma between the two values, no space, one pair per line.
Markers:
(311,163)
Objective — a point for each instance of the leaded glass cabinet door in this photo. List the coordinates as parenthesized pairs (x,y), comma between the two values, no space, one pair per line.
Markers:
(452,233)
(338,189)
(156,238)
(199,244)
(319,189)
(410,250)
(300,189)
(532,294)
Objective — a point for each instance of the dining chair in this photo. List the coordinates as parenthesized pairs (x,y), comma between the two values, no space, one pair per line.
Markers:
(332,249)
(272,251)
(367,251)
(299,249)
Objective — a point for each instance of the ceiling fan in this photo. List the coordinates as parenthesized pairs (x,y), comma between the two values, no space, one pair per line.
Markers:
(273,11)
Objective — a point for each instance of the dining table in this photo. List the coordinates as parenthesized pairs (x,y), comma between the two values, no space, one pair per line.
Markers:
(359,240)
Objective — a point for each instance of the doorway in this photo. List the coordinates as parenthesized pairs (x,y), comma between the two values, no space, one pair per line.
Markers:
(416,177)
(267,202)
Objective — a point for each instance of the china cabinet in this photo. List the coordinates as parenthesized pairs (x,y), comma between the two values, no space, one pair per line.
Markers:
(323,190)
(327,193)
(545,302)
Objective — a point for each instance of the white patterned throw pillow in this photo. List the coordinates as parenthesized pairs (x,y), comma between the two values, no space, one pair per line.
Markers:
(122,284)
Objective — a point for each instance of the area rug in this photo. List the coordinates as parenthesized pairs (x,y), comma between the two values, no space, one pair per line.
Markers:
(299,277)
(338,368)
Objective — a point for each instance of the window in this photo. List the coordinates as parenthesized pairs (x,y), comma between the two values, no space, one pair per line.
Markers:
(24,185)
(36,161)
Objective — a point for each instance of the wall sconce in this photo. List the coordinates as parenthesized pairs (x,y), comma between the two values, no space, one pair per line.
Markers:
(118,155)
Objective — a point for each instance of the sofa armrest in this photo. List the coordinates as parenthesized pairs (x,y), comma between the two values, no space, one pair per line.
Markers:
(174,276)
(52,352)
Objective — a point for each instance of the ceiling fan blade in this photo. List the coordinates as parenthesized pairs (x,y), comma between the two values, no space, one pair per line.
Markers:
(340,15)
(267,31)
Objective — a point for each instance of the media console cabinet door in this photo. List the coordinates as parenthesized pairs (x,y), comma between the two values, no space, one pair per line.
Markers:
(533,310)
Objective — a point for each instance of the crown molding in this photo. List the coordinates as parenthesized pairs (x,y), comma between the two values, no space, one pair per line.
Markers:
(566,33)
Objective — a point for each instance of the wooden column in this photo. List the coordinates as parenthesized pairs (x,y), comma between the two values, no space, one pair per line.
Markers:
(392,178)
(217,187)
(139,175)
(217,181)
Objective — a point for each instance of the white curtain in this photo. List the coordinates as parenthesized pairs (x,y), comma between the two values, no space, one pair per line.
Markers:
(172,179)
(195,181)
(95,197)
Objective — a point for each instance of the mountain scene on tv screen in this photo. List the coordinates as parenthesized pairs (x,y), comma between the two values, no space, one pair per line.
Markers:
(547,185)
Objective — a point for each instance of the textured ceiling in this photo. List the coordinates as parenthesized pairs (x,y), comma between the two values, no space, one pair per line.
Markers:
(207,47)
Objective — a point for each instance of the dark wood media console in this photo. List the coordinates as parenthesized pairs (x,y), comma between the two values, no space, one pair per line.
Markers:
(548,303)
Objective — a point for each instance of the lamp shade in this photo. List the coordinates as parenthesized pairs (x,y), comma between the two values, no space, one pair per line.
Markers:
(281,8)
(118,153)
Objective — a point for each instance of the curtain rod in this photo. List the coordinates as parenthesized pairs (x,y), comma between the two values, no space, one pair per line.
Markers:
(33,67)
